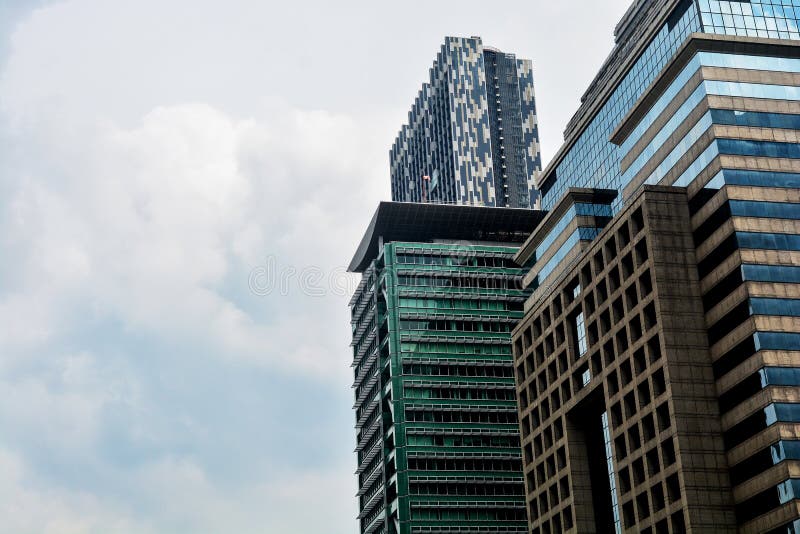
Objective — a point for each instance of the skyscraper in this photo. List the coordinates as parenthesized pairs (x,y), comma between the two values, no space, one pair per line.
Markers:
(472,135)
(437,433)
(658,362)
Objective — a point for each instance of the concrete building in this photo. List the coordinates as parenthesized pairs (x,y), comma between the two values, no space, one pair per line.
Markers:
(472,135)
(658,362)
(436,420)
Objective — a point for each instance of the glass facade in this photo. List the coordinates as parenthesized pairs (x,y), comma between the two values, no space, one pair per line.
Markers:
(593,161)
(441,381)
(776,19)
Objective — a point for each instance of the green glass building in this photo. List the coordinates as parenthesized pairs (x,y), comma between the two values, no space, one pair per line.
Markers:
(436,416)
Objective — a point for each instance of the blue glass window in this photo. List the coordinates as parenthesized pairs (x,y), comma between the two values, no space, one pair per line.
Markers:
(581,234)
(782,412)
(579,209)
(756,119)
(772,210)
(764,459)
(765,241)
(789,274)
(663,134)
(680,149)
(760,178)
(701,162)
(777,19)
(781,376)
(752,90)
(776,341)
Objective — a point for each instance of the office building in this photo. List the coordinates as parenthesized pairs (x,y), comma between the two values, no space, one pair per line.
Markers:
(658,362)
(437,432)
(472,136)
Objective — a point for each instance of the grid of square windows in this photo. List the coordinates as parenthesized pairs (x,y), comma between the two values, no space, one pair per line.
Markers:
(620,354)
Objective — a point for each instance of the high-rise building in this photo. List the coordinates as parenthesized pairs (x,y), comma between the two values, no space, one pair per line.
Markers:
(472,135)
(437,432)
(658,362)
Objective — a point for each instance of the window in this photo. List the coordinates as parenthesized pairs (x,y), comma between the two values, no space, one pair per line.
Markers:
(579,331)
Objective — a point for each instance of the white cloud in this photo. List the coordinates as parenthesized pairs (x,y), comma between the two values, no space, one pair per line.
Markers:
(148,225)
(149,232)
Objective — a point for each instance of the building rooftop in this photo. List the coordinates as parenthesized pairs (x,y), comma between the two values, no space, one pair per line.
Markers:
(407,221)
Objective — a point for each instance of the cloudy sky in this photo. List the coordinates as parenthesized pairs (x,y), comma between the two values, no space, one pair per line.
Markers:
(181,183)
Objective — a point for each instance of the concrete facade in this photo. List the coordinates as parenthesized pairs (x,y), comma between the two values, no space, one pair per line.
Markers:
(643,369)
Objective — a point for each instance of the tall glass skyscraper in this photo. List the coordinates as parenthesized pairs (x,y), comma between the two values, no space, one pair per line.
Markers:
(658,362)
(472,135)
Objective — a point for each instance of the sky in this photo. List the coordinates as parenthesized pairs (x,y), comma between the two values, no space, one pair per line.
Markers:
(181,186)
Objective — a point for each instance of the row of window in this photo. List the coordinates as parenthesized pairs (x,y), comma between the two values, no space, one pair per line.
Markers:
(738,147)
(577,209)
(752,90)
(767,241)
(484,488)
(768,500)
(681,148)
(789,274)
(499,371)
(780,307)
(708,59)
(758,8)
(741,147)
(754,179)
(720,116)
(465,464)
(581,234)
(455,348)
(463,441)
(460,282)
(663,134)
(774,28)
(455,326)
(468,514)
(756,119)
(458,394)
(465,258)
(593,161)
(772,210)
(500,418)
(754,306)
(752,344)
(459,304)
(767,376)
(774,413)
